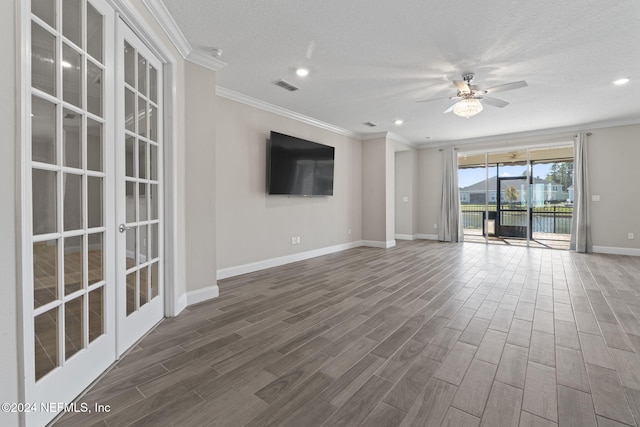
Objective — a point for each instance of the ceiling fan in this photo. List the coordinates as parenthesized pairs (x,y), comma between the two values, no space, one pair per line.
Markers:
(469,96)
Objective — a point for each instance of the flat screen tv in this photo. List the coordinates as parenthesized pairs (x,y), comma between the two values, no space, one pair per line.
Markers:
(298,167)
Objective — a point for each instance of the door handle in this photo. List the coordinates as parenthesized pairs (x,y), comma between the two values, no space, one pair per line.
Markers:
(123,227)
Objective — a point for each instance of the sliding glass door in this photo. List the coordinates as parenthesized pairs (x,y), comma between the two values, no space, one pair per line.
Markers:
(517,197)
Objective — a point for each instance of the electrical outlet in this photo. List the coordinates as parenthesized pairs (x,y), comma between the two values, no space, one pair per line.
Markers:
(349,231)
(297,240)
(630,236)
(293,240)
(435,225)
(595,198)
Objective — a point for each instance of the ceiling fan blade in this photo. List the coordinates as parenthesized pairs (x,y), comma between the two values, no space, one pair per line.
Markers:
(494,101)
(437,99)
(450,109)
(506,86)
(462,86)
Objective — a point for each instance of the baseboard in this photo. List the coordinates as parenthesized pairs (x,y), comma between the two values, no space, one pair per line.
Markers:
(405,237)
(225,273)
(200,295)
(181,304)
(427,236)
(616,251)
(379,244)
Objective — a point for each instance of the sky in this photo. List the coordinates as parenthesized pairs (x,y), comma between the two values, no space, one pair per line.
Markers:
(467,177)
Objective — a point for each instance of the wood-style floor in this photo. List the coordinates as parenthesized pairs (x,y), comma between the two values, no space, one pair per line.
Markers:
(423,334)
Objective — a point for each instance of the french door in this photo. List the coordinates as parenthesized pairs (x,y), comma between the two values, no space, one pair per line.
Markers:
(93,151)
(140,303)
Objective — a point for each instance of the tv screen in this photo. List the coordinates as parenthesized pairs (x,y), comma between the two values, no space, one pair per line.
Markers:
(298,167)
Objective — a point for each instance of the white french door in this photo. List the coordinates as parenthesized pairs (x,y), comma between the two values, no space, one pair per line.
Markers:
(69,290)
(140,302)
(93,160)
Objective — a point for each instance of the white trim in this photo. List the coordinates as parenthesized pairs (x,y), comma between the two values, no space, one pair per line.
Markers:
(256,103)
(616,251)
(427,236)
(405,237)
(560,142)
(379,244)
(143,30)
(225,273)
(168,25)
(206,60)
(201,295)
(25,321)
(390,135)
(165,20)
(537,132)
(181,304)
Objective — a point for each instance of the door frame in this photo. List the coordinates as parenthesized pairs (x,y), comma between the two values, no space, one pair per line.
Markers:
(172,301)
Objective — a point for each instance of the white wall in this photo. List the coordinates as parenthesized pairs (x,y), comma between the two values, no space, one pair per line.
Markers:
(252,226)
(430,170)
(200,178)
(9,225)
(406,187)
(613,165)
(390,177)
(374,186)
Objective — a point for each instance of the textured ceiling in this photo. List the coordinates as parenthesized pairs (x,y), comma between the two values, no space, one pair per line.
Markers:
(371,61)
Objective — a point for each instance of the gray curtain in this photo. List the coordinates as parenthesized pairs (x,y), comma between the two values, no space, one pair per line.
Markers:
(581,223)
(449,228)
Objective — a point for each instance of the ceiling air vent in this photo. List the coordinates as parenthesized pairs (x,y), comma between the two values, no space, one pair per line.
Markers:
(370,124)
(286,85)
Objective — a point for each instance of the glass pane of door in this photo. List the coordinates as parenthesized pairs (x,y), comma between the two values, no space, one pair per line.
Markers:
(552,196)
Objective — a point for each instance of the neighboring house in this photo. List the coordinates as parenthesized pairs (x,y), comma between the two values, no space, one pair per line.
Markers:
(570,190)
(543,191)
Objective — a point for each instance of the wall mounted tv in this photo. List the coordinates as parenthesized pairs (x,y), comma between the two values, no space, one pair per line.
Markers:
(298,167)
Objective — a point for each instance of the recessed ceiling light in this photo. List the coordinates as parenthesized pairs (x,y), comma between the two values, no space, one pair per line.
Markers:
(427,137)
(398,122)
(302,72)
(621,82)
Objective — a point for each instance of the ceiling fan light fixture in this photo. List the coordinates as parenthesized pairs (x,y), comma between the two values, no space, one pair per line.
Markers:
(467,107)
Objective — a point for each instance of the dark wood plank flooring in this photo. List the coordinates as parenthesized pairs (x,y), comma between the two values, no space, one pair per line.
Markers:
(423,334)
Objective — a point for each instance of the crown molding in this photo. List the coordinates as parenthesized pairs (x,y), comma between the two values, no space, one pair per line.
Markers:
(256,103)
(401,139)
(169,26)
(206,60)
(159,11)
(389,135)
(370,136)
(533,133)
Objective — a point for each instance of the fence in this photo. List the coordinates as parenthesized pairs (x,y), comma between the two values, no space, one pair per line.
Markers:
(548,219)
